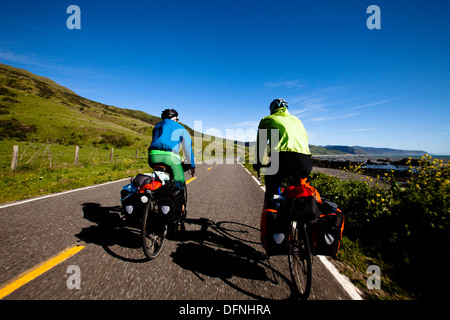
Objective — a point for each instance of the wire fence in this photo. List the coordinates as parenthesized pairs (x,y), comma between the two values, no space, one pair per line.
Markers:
(46,155)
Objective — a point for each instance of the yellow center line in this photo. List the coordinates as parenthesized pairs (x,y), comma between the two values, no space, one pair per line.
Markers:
(209,168)
(37,270)
(191,179)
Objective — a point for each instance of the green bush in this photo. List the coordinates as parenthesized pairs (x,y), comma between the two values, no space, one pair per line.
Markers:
(405,225)
(116,141)
(13,128)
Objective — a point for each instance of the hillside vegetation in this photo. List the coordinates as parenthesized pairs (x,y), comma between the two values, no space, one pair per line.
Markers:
(358,150)
(36,109)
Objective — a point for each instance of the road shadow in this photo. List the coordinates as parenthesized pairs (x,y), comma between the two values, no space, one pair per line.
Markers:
(118,237)
(224,250)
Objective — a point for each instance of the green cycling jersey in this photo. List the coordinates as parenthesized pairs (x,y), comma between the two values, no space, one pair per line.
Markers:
(292,133)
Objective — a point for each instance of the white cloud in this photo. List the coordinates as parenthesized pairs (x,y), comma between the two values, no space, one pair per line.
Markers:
(318,119)
(251,123)
(32,60)
(308,105)
(375,103)
(20,58)
(359,130)
(286,83)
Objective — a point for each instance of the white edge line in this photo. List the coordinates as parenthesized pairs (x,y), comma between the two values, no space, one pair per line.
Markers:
(16,203)
(343,280)
(256,180)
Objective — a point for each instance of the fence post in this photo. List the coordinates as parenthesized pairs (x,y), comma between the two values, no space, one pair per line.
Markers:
(111,155)
(15,157)
(77,154)
(137,153)
(49,155)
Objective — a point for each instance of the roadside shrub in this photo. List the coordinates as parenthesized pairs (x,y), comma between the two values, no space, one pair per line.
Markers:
(116,141)
(403,224)
(13,128)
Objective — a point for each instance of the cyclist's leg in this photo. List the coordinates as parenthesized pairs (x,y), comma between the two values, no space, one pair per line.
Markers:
(290,164)
(172,160)
(273,182)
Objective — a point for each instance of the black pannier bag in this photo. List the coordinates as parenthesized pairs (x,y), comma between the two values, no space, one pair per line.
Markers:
(170,196)
(303,209)
(132,205)
(325,233)
(141,179)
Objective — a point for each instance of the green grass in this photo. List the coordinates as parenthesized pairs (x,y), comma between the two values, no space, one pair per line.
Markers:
(24,184)
(45,168)
(36,156)
(48,168)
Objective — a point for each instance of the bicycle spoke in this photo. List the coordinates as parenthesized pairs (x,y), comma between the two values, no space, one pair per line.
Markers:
(300,260)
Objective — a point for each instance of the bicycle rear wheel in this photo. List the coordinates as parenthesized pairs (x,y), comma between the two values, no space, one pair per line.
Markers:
(300,259)
(153,231)
(184,213)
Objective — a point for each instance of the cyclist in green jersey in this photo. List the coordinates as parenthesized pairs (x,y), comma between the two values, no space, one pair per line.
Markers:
(291,150)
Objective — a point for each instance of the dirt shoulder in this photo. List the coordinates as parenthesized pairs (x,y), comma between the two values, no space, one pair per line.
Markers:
(347,176)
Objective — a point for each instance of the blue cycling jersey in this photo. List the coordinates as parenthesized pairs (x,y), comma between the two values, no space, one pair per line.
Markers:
(168,135)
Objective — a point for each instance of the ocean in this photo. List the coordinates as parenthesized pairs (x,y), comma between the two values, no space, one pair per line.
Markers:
(384,162)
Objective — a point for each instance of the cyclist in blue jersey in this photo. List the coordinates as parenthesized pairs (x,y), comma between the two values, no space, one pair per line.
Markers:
(168,136)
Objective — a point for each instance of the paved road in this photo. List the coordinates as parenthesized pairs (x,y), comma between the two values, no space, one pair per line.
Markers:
(218,258)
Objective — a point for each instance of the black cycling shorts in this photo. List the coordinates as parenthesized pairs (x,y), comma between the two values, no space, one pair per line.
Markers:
(291,164)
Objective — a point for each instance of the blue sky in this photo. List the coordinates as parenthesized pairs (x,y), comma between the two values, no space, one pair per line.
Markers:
(223,62)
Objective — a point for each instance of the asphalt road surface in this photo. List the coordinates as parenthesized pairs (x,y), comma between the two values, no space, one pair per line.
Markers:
(219,257)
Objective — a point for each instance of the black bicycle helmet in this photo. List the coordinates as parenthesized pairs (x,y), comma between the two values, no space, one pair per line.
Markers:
(276,104)
(169,114)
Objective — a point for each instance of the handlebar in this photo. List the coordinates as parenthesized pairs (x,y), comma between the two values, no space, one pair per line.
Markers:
(258,171)
(187,167)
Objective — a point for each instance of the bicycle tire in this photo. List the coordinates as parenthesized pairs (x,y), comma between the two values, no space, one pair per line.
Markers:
(300,260)
(184,214)
(153,231)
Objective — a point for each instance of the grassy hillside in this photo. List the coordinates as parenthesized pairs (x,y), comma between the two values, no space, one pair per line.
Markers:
(34,108)
(16,72)
(344,149)
(318,150)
